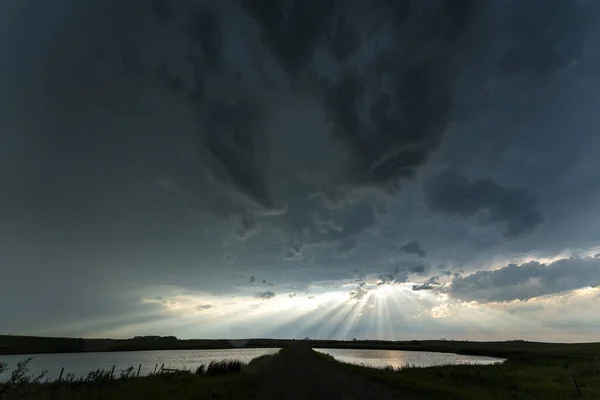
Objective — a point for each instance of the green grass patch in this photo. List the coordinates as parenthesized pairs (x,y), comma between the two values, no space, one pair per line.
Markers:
(531,376)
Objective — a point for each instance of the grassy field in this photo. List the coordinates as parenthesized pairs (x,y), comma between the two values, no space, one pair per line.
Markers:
(532,371)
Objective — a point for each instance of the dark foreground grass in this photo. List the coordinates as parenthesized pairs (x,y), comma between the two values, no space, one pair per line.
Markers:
(223,367)
(217,380)
(535,376)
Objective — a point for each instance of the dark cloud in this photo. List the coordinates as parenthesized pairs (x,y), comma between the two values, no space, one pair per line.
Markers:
(204,27)
(252,279)
(162,9)
(430,284)
(290,30)
(388,113)
(235,149)
(359,293)
(406,101)
(455,195)
(543,42)
(522,282)
(202,307)
(265,295)
(419,270)
(398,276)
(414,247)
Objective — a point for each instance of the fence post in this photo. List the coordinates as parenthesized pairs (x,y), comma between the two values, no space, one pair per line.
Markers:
(61,373)
(576,387)
(138,373)
(156,366)
(112,372)
(162,367)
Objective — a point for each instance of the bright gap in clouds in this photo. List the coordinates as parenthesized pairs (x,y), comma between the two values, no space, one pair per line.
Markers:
(387,311)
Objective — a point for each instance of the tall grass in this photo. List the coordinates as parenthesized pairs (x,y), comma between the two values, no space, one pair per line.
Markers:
(223,367)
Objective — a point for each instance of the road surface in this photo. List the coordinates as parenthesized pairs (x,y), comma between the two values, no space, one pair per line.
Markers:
(299,374)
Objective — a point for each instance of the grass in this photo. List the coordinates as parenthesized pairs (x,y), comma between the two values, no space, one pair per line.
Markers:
(224,367)
(217,380)
(531,376)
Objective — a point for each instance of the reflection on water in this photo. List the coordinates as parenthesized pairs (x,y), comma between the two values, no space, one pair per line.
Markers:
(398,358)
(81,363)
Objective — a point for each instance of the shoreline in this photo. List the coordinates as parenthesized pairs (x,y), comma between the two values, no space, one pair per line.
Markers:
(30,345)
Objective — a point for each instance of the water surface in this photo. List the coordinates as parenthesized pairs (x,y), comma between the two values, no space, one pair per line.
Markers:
(82,363)
(399,358)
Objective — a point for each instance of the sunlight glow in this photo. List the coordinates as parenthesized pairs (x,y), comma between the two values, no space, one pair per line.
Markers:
(333,310)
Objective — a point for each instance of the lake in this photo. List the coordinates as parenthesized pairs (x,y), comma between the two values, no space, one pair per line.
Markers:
(398,358)
(82,363)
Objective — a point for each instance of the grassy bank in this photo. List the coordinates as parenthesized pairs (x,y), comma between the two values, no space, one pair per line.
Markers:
(217,380)
(534,375)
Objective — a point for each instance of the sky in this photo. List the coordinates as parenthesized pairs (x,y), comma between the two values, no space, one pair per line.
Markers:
(404,170)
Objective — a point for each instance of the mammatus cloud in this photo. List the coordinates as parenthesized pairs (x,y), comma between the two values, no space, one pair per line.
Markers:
(265,295)
(525,281)
(455,195)
(414,247)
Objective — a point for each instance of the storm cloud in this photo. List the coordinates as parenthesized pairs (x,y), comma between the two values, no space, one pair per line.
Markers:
(161,159)
(455,195)
(414,247)
(525,281)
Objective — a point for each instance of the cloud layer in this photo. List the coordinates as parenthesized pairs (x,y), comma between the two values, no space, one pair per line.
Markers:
(525,281)
(162,158)
(455,195)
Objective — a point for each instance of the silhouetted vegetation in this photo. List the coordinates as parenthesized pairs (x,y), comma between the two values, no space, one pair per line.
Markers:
(223,367)
(34,345)
(217,380)
(11,344)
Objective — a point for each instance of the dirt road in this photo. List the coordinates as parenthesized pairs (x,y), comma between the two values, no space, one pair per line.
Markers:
(297,373)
